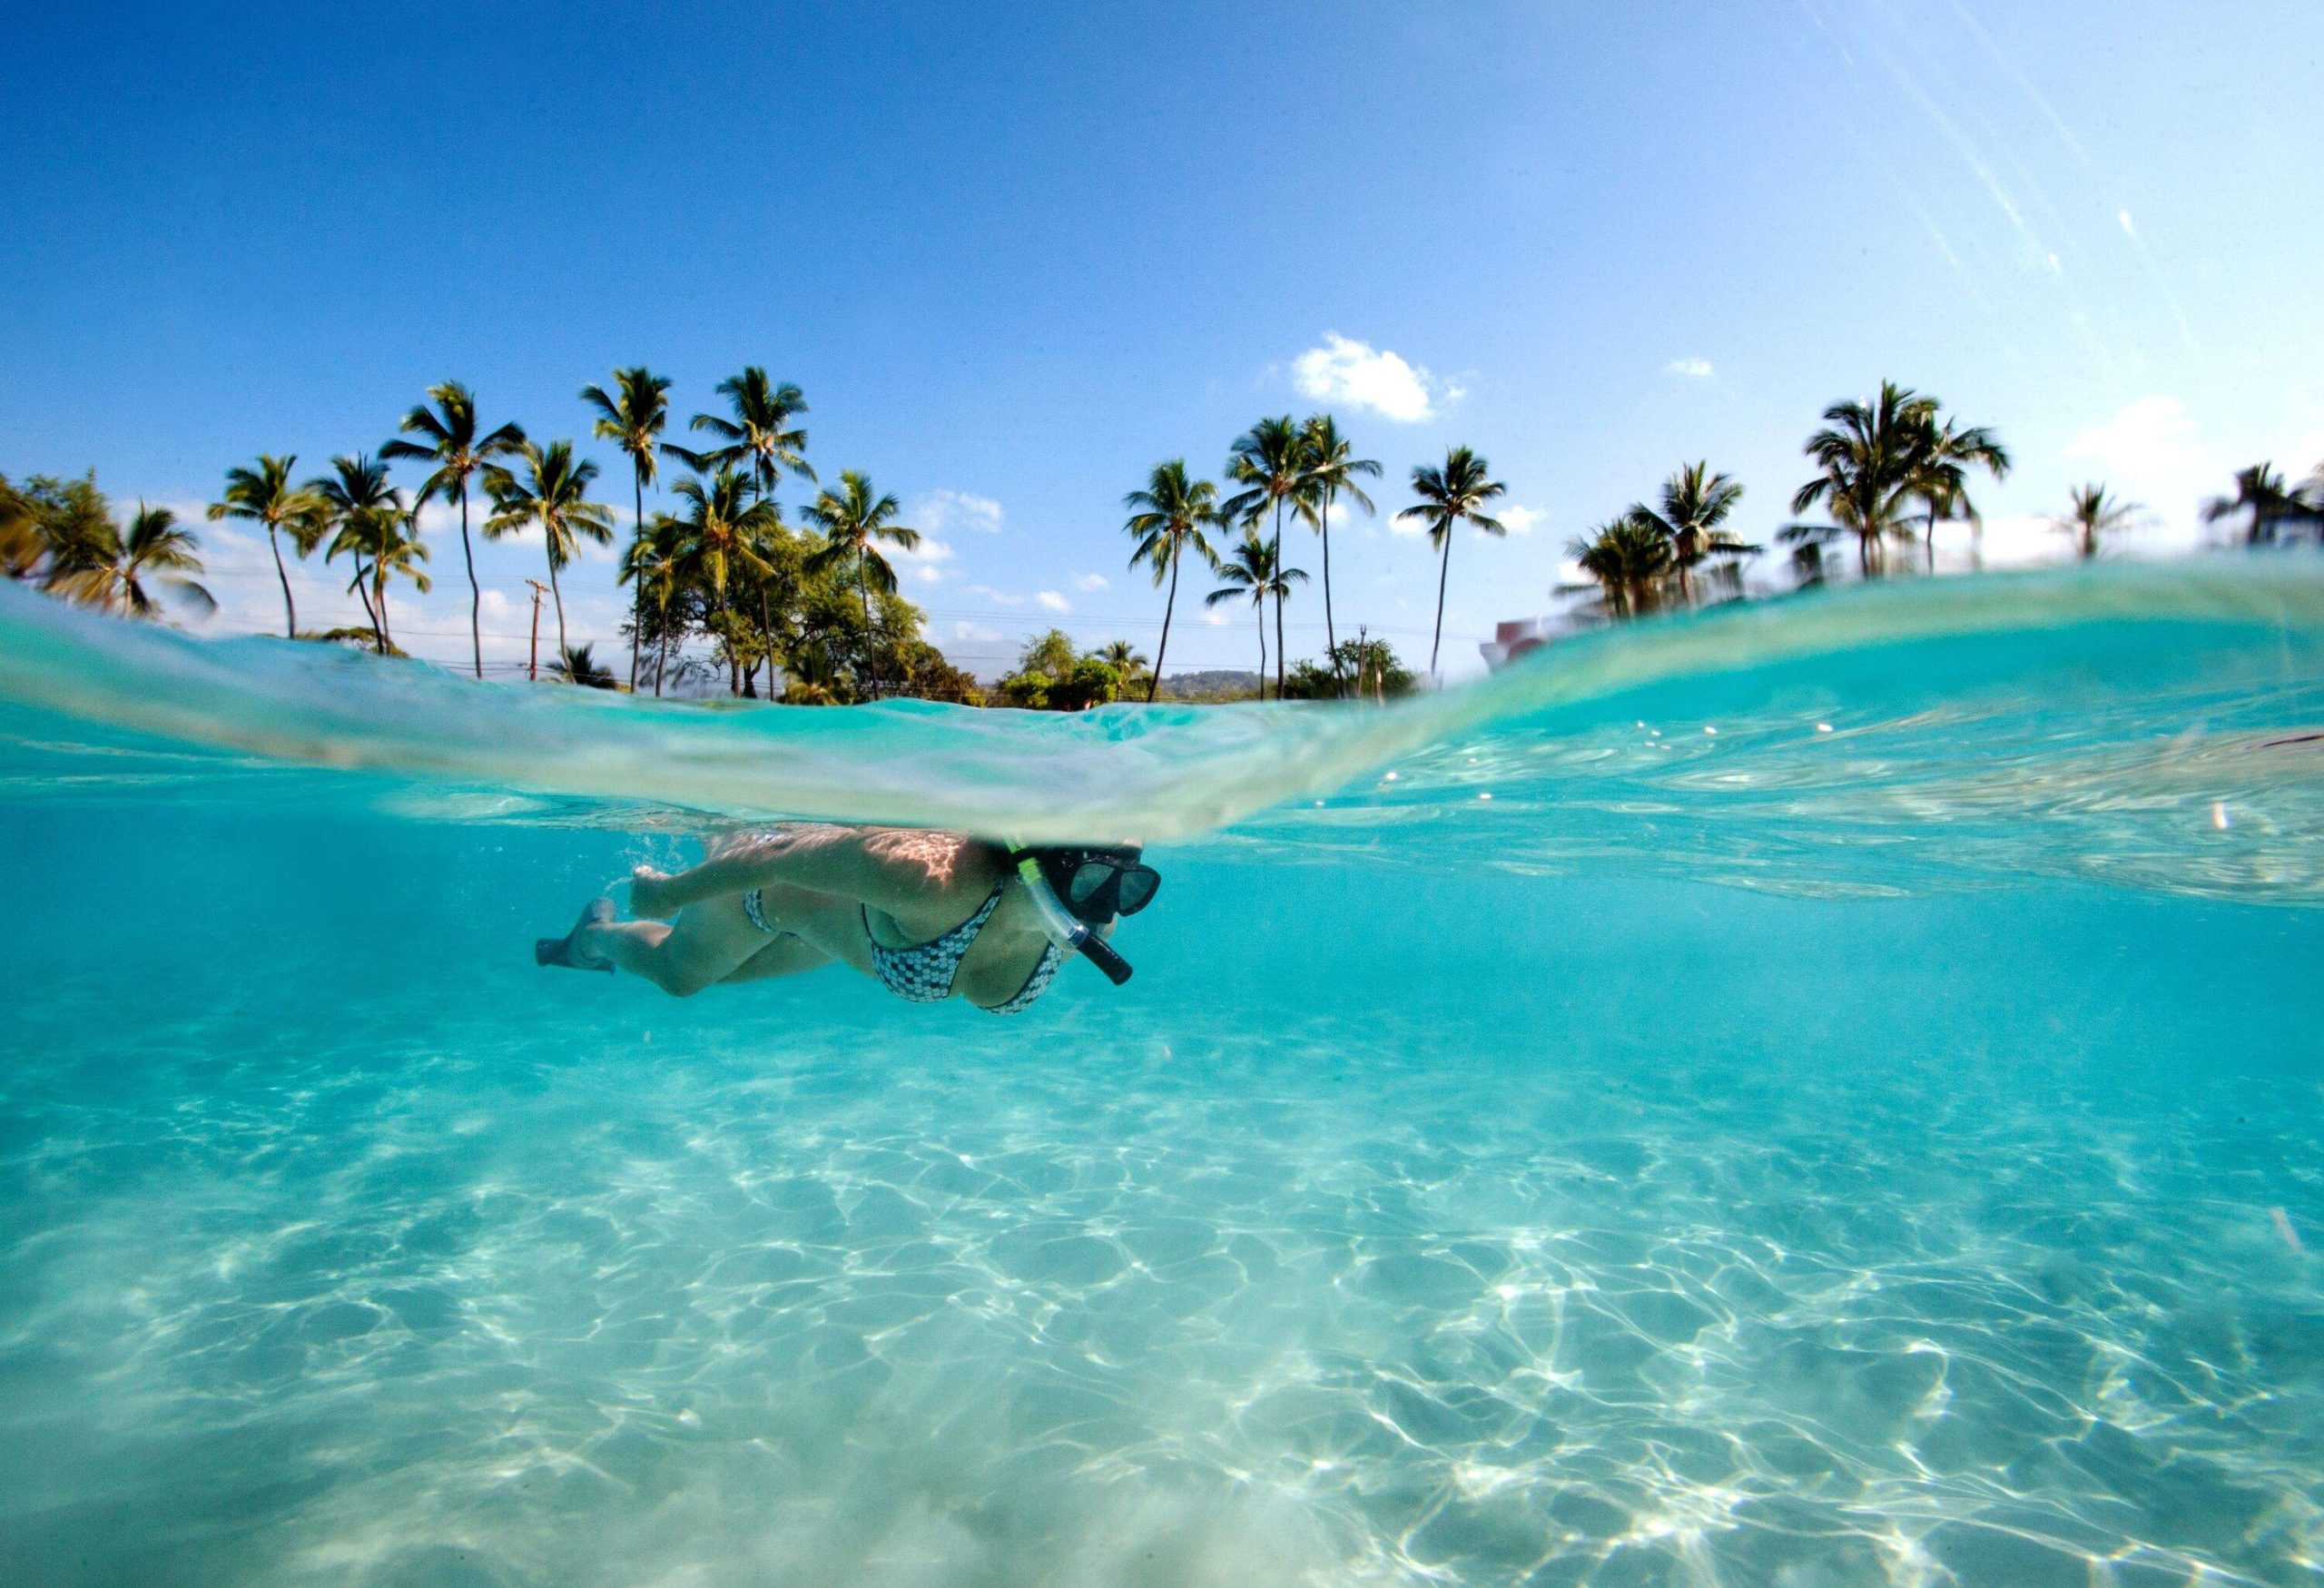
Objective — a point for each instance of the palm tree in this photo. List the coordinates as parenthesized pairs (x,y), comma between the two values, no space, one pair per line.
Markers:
(555,496)
(756,435)
(1331,469)
(2093,515)
(2260,491)
(361,512)
(1251,570)
(1123,658)
(652,562)
(265,495)
(155,552)
(1629,557)
(1943,486)
(1695,502)
(851,520)
(1171,514)
(1870,455)
(450,443)
(1270,460)
(396,553)
(71,532)
(21,545)
(578,665)
(1448,496)
(723,533)
(633,419)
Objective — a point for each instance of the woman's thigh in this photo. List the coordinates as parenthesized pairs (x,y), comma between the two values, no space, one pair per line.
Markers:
(787,955)
(708,943)
(831,925)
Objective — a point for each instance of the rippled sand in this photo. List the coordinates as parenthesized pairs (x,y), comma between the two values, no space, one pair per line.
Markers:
(322,1270)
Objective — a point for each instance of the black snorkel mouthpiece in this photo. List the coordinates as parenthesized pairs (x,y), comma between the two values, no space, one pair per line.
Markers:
(1100,953)
(1066,929)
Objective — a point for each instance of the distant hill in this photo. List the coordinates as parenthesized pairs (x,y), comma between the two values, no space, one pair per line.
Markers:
(1210,685)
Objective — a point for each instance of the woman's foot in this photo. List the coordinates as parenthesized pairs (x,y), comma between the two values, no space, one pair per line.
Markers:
(566,951)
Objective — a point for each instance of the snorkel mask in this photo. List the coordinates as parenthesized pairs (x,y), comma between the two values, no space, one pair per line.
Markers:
(1078,891)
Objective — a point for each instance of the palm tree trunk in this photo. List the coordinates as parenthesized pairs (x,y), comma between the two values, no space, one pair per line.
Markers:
(370,612)
(1259,609)
(767,637)
(638,606)
(475,595)
(1929,536)
(1281,584)
(863,588)
(387,640)
(289,608)
(1170,604)
(564,654)
(1443,573)
(1331,638)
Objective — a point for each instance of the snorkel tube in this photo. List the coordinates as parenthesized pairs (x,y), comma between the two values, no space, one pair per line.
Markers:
(1065,929)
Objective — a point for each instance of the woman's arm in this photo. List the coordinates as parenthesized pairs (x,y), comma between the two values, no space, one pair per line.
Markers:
(899,870)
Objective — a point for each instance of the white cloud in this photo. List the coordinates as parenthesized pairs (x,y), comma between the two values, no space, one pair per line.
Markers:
(940,510)
(925,562)
(1413,528)
(1344,370)
(1052,601)
(2152,434)
(1691,369)
(997,597)
(1521,520)
(975,633)
(1216,617)
(1089,583)
(2129,230)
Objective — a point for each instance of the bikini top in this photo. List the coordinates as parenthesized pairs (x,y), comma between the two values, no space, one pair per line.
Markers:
(924,973)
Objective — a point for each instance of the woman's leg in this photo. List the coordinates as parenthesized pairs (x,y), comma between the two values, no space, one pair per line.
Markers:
(708,943)
(782,956)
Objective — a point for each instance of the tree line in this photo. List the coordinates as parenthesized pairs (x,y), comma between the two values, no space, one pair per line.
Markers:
(817,602)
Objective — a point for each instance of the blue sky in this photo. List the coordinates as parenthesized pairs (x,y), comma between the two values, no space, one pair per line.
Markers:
(1017,255)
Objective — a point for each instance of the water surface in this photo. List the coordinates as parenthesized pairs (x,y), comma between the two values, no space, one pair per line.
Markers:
(1873,1139)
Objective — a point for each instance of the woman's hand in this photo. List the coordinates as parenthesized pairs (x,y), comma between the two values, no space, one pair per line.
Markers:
(648,898)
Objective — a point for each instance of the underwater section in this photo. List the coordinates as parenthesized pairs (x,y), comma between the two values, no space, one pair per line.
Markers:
(1837,1113)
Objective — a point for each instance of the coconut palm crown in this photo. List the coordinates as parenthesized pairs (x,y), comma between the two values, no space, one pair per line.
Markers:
(1269,461)
(1331,469)
(552,495)
(759,437)
(265,494)
(2092,514)
(1451,496)
(125,573)
(1629,557)
(2260,493)
(447,436)
(632,417)
(365,516)
(854,521)
(1695,502)
(1253,571)
(1167,519)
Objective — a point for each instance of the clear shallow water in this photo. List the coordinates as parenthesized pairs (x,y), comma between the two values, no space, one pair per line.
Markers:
(1465,1190)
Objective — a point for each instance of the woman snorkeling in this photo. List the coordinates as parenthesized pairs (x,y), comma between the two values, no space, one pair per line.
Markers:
(932,915)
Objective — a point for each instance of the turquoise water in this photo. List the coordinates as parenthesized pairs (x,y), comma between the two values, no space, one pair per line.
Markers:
(1844,1110)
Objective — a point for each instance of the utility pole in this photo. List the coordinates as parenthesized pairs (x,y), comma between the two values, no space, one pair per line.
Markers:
(532,668)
